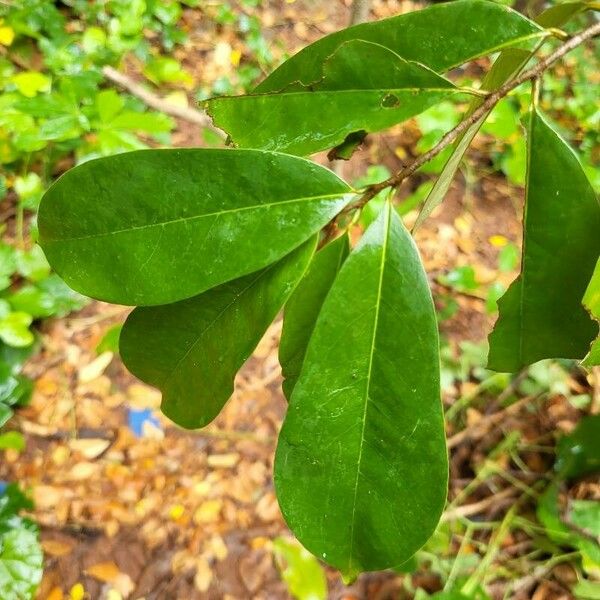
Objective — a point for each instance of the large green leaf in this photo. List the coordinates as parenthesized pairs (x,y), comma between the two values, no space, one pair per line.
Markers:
(508,64)
(591,301)
(157,226)
(541,315)
(303,307)
(365,87)
(439,37)
(191,350)
(361,465)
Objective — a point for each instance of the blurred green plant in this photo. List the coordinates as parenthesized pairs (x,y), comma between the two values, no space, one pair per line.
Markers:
(301,571)
(21,557)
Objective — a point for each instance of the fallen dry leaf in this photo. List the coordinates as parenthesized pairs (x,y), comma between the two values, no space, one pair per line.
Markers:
(94,369)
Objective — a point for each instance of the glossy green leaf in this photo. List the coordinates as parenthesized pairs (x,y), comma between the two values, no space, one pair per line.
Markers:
(300,570)
(303,307)
(440,37)
(157,226)
(591,300)
(508,64)
(364,433)
(365,87)
(191,350)
(541,315)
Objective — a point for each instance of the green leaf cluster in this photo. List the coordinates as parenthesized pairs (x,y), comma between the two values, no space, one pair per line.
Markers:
(210,244)
(21,558)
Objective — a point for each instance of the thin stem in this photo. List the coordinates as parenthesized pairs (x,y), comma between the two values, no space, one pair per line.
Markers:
(491,100)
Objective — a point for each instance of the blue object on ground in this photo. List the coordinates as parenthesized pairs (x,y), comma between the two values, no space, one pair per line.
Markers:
(137,418)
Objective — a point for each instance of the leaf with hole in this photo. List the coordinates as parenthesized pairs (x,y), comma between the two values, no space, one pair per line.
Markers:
(541,315)
(364,432)
(191,350)
(440,37)
(365,87)
(157,226)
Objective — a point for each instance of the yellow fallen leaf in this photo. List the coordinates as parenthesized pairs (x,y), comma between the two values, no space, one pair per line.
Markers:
(235,57)
(176,512)
(223,461)
(94,369)
(55,594)
(498,241)
(89,448)
(107,572)
(77,592)
(7,35)
(208,512)
(56,548)
(203,575)
(82,471)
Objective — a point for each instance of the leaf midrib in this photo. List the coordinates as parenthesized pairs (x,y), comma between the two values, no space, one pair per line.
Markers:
(312,93)
(194,218)
(166,380)
(368,381)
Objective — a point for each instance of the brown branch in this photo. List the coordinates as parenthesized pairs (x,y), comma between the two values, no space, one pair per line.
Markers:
(490,101)
(157,103)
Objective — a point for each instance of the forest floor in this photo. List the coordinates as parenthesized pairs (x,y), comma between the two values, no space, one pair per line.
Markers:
(152,511)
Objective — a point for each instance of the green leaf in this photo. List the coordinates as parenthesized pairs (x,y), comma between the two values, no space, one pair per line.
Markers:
(565,525)
(302,573)
(364,87)
(8,264)
(14,329)
(109,104)
(587,590)
(21,564)
(31,83)
(14,389)
(157,226)
(29,189)
(148,122)
(12,502)
(440,37)
(166,69)
(12,440)
(591,300)
(32,264)
(192,350)
(509,63)
(361,468)
(110,340)
(6,414)
(303,307)
(541,315)
(578,453)
(50,297)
